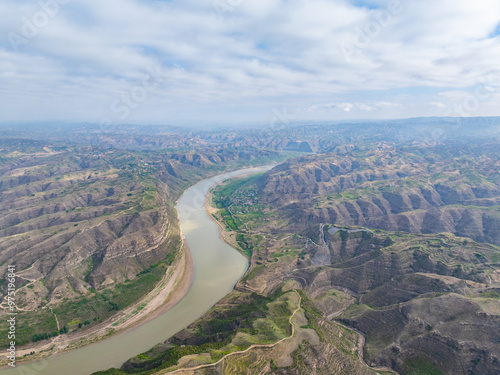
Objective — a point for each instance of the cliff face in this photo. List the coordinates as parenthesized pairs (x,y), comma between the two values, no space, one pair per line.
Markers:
(398,243)
(391,191)
(71,222)
(91,226)
(413,293)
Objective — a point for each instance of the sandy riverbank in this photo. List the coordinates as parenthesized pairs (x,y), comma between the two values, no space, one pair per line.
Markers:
(171,289)
(224,234)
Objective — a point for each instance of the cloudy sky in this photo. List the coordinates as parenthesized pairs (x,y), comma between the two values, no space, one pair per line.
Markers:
(241,61)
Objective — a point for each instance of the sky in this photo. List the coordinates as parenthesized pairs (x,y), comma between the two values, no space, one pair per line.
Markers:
(198,62)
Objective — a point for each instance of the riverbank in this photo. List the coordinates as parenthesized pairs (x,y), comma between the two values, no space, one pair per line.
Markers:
(224,235)
(168,292)
(216,268)
(229,237)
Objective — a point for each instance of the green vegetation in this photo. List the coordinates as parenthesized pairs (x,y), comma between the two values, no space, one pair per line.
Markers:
(389,268)
(412,268)
(94,308)
(240,320)
(101,200)
(232,215)
(38,337)
(492,293)
(421,367)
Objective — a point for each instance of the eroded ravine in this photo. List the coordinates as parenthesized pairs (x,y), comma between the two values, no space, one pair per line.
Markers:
(217,268)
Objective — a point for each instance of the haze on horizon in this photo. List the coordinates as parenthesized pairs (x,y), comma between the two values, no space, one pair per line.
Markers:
(230,61)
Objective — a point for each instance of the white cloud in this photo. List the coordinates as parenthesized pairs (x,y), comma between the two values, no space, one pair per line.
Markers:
(348,107)
(261,54)
(438,104)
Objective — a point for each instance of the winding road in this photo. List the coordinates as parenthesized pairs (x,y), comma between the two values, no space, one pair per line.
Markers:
(254,346)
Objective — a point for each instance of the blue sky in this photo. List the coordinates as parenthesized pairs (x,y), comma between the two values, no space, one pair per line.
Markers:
(240,61)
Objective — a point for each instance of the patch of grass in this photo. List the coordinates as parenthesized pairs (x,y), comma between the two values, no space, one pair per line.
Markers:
(492,293)
(421,366)
(32,326)
(254,272)
(95,307)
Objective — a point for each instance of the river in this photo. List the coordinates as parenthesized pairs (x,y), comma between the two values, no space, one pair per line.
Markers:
(217,268)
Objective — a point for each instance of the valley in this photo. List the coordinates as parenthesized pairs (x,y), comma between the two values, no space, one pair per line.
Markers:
(270,187)
(364,250)
(95,238)
(401,250)
(395,248)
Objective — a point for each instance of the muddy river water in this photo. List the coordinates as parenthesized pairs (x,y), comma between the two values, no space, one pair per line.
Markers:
(217,268)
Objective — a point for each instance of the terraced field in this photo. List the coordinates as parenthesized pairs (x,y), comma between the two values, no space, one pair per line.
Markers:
(400,245)
(92,231)
(389,236)
(272,347)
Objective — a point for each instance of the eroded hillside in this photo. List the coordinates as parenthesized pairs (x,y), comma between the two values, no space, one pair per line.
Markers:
(397,244)
(92,231)
(419,191)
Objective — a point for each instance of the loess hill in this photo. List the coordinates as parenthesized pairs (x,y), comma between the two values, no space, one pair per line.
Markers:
(393,249)
(398,243)
(375,253)
(92,230)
